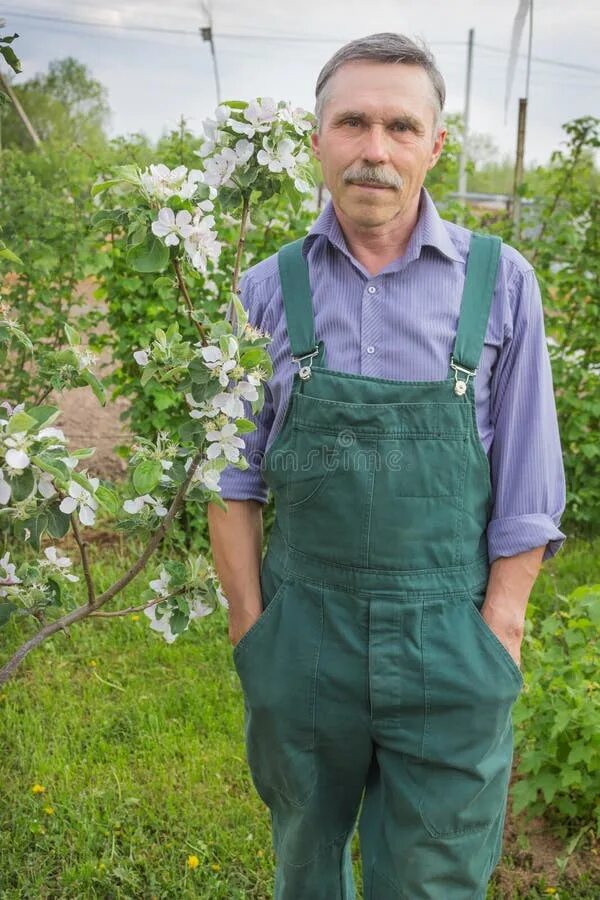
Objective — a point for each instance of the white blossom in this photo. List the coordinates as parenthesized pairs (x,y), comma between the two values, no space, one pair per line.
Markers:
(230,402)
(259,116)
(160,183)
(201,410)
(297,118)
(201,242)
(279,157)
(58,562)
(198,608)
(220,168)
(138,503)
(161,584)
(85,358)
(5,489)
(16,457)
(221,363)
(45,485)
(221,597)
(162,625)
(9,578)
(224,443)
(142,357)
(81,498)
(205,474)
(169,225)
(244,150)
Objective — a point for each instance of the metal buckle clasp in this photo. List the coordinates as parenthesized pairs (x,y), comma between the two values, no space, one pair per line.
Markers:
(304,370)
(460,381)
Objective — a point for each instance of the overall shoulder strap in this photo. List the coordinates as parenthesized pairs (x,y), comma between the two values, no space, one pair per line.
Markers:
(480,283)
(297,298)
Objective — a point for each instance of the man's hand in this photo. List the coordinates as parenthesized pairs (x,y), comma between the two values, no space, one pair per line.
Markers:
(236,542)
(240,621)
(508,624)
(509,586)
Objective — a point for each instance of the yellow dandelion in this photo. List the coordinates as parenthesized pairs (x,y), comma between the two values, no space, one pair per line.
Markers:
(135,617)
(260,853)
(101,866)
(216,867)
(49,810)
(92,662)
(38,789)
(193,862)
(550,890)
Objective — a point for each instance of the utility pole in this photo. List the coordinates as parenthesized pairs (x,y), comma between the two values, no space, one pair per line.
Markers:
(207,35)
(6,86)
(521,130)
(464,153)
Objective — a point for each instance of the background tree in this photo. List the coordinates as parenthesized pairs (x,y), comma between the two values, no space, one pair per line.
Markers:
(66,105)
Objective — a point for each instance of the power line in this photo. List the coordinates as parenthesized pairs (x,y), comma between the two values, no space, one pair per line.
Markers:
(82,23)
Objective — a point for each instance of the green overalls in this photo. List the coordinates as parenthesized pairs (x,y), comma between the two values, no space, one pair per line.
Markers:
(371,668)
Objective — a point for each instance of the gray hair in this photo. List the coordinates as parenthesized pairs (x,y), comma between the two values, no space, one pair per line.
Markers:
(385,47)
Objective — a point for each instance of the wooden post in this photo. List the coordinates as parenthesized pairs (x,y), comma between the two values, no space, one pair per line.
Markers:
(5,85)
(516,211)
(462,163)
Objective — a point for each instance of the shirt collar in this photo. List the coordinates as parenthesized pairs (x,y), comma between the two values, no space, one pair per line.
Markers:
(430,231)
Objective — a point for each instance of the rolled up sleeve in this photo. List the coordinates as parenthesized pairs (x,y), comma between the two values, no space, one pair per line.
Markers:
(528,479)
(248,484)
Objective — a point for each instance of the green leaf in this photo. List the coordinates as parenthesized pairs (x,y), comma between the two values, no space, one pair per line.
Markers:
(251,358)
(23,485)
(83,452)
(58,522)
(20,421)
(11,58)
(56,586)
(199,372)
(96,385)
(149,256)
(55,467)
(109,217)
(244,426)
(162,282)
(523,795)
(108,499)
(6,610)
(146,476)
(36,527)
(72,335)
(5,253)
(44,415)
(101,186)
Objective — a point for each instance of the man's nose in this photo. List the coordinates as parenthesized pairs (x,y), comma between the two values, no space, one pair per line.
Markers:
(375,147)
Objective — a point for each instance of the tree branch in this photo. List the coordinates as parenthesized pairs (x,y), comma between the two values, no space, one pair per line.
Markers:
(82,611)
(188,300)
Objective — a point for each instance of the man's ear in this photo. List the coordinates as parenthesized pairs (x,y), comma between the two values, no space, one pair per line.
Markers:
(314,139)
(437,147)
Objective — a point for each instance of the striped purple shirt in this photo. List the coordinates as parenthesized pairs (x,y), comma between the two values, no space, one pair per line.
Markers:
(400,324)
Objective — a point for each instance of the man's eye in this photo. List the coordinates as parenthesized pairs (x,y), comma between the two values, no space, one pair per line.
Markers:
(400,126)
(352,121)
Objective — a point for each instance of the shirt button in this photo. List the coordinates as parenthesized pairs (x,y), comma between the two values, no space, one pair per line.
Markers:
(371,289)
(370,349)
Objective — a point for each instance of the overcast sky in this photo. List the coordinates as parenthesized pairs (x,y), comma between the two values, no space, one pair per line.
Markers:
(277,48)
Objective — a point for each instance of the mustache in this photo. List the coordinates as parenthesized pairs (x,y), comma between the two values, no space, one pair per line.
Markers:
(372,175)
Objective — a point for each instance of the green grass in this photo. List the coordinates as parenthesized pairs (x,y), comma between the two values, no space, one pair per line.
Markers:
(139,746)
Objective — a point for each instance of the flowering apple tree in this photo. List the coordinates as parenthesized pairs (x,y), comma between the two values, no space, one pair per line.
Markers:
(250,152)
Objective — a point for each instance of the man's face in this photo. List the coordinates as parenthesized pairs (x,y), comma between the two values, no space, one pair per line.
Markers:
(377,126)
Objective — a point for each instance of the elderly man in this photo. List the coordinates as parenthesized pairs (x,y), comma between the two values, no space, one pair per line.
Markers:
(413,453)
